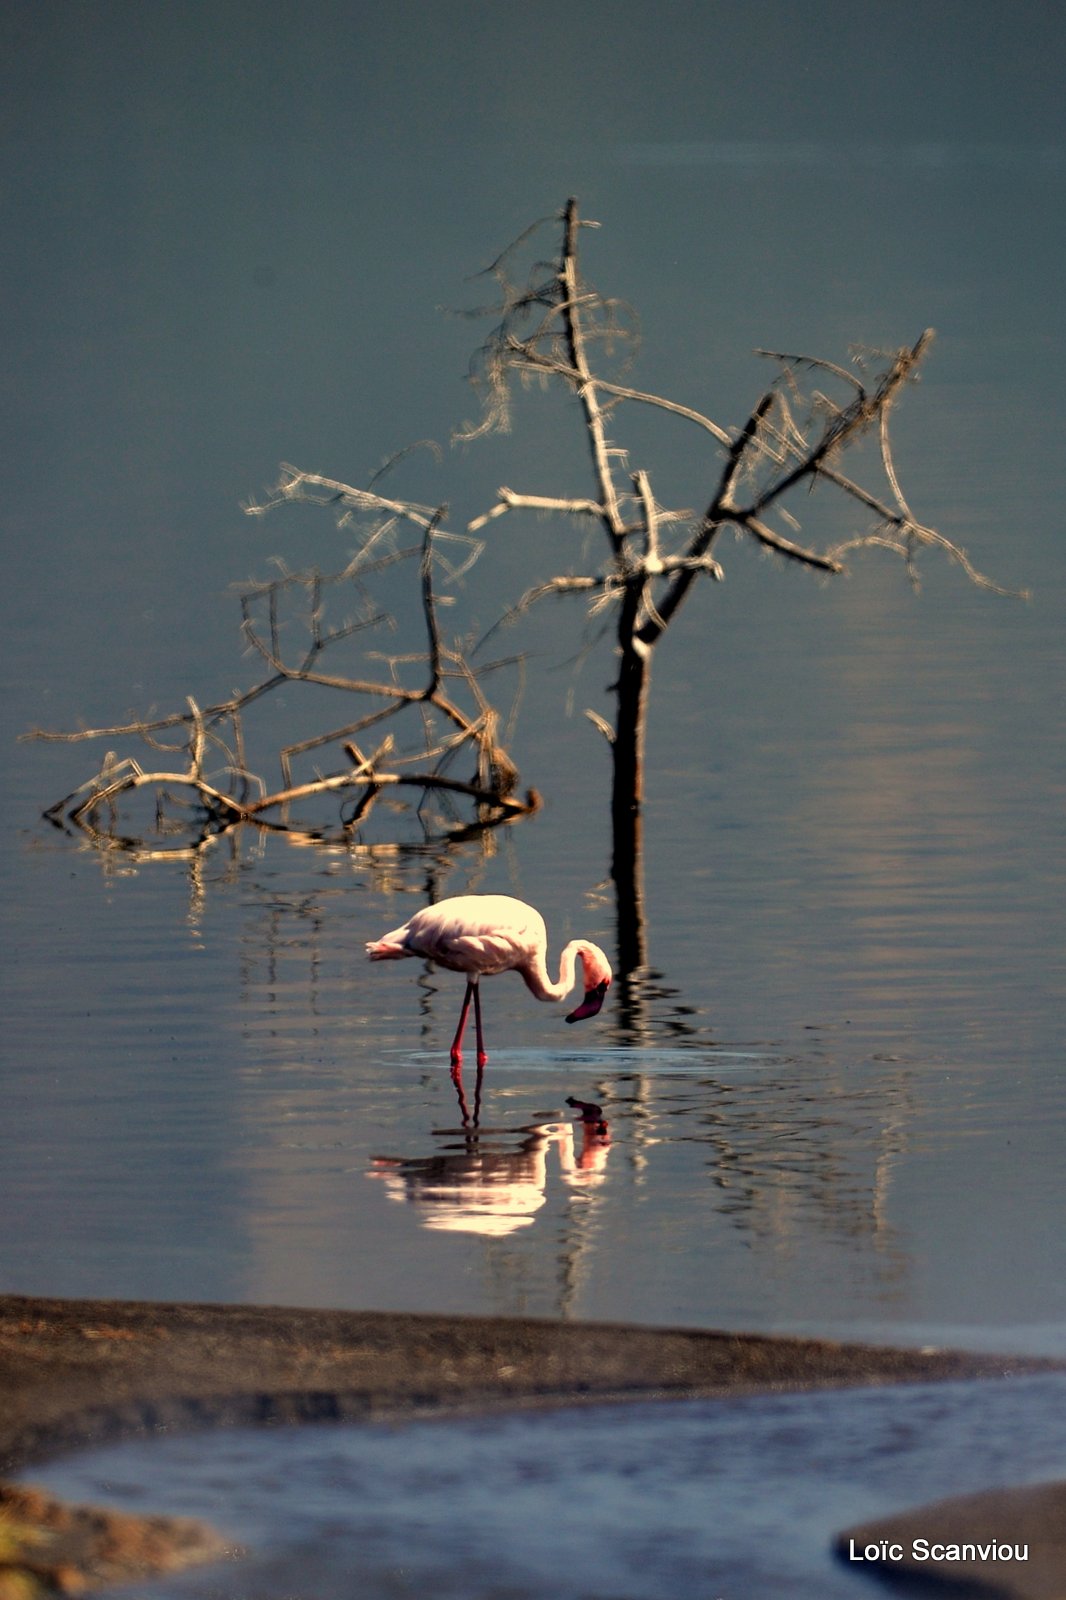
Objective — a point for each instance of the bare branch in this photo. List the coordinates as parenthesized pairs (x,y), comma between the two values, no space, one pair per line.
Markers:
(566,584)
(428,603)
(401,455)
(575,338)
(562,369)
(785,547)
(853,420)
(813,361)
(297,486)
(510,501)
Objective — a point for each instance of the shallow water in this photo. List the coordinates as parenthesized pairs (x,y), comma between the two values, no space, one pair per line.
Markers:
(732,1498)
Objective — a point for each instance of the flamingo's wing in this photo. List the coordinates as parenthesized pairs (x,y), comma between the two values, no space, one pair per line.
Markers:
(481,953)
(482,934)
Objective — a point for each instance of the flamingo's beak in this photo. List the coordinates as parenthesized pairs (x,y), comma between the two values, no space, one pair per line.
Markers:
(592,1002)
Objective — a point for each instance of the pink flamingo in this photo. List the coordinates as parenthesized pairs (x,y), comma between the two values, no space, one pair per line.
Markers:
(483,934)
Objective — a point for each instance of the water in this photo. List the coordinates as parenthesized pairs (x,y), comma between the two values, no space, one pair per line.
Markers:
(724,1498)
(204,1088)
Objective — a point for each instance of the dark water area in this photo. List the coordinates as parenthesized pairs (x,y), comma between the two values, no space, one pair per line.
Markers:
(834,1094)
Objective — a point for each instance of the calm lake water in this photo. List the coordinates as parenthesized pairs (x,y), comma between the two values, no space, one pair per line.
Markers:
(835,1096)
(839,1110)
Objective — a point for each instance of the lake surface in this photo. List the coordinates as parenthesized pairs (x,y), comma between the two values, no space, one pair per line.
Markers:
(837,1107)
(834,1094)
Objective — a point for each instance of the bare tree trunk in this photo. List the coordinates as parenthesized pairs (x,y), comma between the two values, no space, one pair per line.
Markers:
(627,801)
(632,942)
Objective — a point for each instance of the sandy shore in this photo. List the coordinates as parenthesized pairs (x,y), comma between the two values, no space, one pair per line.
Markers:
(83,1372)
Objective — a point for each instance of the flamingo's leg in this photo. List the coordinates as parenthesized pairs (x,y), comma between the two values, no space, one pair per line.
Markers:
(481,1056)
(472,993)
(457,1042)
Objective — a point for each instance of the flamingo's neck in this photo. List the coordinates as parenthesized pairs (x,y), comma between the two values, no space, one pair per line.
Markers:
(536,976)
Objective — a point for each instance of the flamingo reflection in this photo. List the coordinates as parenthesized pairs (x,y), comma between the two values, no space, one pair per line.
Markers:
(489,1188)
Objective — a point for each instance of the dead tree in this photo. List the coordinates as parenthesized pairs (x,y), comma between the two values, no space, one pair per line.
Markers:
(556,326)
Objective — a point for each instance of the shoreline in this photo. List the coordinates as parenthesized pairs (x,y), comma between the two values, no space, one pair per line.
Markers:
(81,1373)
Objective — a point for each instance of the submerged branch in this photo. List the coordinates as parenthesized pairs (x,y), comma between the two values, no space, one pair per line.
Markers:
(449,690)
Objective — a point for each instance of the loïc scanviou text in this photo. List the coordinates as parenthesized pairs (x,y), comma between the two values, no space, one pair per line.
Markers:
(928,1550)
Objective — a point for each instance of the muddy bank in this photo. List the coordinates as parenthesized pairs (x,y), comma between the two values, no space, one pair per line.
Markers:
(79,1372)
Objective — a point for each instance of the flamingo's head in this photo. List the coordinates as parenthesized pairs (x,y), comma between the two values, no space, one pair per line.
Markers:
(597,977)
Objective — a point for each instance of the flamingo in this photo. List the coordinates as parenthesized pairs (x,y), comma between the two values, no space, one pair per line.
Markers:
(483,934)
